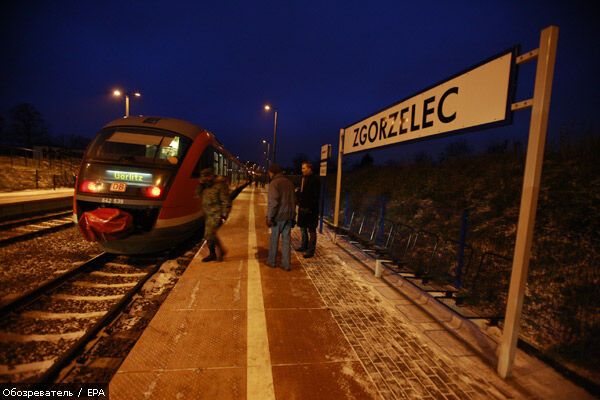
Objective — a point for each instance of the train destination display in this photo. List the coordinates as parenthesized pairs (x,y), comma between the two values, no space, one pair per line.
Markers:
(477,97)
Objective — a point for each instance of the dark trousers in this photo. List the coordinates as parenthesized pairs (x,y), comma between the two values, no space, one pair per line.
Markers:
(212,225)
(309,239)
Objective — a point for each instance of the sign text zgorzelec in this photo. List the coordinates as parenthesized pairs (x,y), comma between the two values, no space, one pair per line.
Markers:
(477,97)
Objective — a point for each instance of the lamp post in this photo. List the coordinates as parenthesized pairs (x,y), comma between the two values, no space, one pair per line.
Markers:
(267,153)
(268,108)
(118,93)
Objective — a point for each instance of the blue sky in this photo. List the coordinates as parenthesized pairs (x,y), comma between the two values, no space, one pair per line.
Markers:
(323,64)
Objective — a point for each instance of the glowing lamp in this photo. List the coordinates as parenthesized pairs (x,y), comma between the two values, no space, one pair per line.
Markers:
(90,186)
(154,191)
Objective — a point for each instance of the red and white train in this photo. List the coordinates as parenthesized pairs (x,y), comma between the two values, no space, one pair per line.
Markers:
(136,188)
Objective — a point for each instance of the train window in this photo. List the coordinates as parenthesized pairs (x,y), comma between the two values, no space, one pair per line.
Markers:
(206,161)
(212,158)
(216,163)
(140,147)
(169,147)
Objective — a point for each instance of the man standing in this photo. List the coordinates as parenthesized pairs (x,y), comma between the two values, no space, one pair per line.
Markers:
(308,209)
(281,213)
(216,205)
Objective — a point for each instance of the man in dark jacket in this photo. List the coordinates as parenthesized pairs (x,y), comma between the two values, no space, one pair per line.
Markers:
(308,209)
(281,215)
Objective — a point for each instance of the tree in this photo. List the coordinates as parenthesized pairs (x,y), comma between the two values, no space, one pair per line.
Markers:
(455,150)
(28,126)
(71,141)
(497,148)
(78,142)
(366,161)
(423,157)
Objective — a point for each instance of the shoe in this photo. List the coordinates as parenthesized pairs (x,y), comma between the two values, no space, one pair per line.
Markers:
(210,257)
(288,269)
(270,265)
(302,249)
(309,255)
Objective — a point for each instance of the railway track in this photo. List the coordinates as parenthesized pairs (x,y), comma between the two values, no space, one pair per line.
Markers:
(24,229)
(44,329)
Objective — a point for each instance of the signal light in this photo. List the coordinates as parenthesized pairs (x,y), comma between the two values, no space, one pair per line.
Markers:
(153,191)
(90,186)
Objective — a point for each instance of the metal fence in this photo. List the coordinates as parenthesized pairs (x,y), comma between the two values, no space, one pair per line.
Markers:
(41,167)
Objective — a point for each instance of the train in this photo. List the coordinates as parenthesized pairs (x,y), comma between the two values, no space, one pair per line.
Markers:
(136,190)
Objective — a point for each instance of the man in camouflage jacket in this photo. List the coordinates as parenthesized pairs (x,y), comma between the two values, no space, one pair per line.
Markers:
(216,206)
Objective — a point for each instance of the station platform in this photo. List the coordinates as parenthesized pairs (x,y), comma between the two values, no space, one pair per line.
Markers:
(26,202)
(34,194)
(328,329)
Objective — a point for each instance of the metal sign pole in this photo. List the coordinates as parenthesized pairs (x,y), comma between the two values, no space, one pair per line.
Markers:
(322,203)
(325,155)
(529,197)
(338,181)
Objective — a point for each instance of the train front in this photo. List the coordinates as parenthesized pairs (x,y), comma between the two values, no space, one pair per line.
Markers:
(123,183)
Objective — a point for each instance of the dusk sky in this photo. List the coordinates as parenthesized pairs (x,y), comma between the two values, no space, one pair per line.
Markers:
(324,65)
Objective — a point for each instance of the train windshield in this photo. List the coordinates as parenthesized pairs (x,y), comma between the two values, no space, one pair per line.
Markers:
(138,146)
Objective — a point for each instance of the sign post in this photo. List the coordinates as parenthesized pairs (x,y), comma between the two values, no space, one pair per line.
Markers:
(338,181)
(538,126)
(325,154)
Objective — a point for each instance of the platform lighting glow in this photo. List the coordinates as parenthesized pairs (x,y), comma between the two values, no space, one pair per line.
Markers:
(267,107)
(137,94)
(116,93)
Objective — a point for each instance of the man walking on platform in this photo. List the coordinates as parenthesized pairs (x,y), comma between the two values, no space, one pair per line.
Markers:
(308,209)
(281,213)
(216,206)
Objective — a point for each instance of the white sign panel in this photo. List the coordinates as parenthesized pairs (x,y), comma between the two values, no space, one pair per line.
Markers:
(325,151)
(323,170)
(477,97)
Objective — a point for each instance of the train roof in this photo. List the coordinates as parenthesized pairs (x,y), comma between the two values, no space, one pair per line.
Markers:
(170,124)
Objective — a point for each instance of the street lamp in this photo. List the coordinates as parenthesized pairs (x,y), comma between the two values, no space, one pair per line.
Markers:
(268,108)
(118,93)
(267,153)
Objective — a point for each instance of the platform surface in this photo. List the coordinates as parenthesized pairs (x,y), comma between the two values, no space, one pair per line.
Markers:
(328,329)
(34,194)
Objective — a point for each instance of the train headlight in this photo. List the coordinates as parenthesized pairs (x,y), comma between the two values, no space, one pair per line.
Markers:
(153,191)
(90,186)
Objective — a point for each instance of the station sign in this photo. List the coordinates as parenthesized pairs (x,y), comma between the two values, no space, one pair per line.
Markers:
(325,152)
(480,96)
(128,176)
(323,169)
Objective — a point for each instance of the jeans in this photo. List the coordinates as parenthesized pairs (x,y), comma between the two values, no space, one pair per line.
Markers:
(283,228)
